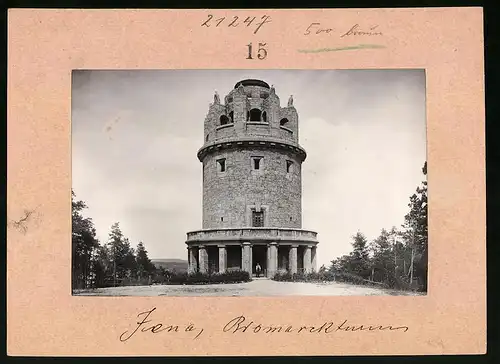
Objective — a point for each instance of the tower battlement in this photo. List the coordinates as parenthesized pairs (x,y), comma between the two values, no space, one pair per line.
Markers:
(251,109)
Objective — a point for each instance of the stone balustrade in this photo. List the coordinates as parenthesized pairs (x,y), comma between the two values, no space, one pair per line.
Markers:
(250,234)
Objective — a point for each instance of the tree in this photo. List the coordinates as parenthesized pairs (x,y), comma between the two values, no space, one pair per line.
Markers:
(383,266)
(416,233)
(359,257)
(357,262)
(144,265)
(342,264)
(121,254)
(102,267)
(84,243)
(129,263)
(396,256)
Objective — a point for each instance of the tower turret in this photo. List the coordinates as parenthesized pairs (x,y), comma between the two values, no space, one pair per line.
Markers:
(252,108)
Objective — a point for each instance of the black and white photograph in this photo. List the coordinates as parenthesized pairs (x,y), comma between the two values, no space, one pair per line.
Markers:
(249,182)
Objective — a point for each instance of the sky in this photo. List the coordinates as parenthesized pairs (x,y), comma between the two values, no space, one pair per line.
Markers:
(135,135)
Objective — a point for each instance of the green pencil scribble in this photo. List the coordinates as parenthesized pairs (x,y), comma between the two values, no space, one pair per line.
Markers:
(359,46)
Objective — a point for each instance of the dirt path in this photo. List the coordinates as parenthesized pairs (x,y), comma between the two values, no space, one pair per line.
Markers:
(258,287)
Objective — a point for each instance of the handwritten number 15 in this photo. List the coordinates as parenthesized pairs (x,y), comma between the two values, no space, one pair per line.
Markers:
(261,53)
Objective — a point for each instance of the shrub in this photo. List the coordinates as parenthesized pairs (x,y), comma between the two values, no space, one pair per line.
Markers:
(133,281)
(322,277)
(236,276)
(160,278)
(285,276)
(282,276)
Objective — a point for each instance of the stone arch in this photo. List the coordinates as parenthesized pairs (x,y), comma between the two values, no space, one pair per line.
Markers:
(255,115)
(284,122)
(224,120)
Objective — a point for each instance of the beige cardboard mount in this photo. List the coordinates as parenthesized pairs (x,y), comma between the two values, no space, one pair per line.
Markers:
(44,46)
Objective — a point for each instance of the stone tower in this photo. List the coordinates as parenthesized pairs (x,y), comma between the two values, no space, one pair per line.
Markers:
(252,188)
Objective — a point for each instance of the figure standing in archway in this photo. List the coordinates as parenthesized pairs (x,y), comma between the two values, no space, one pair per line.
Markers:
(258,269)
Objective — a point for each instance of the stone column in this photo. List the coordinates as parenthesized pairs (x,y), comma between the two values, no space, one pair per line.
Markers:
(246,254)
(314,262)
(272,259)
(250,263)
(292,259)
(203,259)
(307,259)
(193,265)
(268,261)
(222,258)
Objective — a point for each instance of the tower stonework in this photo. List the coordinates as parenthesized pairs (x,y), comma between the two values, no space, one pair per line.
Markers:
(252,186)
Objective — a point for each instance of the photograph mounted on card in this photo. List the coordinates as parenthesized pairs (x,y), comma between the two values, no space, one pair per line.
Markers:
(266,182)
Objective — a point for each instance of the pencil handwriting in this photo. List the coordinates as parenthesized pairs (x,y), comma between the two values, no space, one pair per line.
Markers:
(355,30)
(236,21)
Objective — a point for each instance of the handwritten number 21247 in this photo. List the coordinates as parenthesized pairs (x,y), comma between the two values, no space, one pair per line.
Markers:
(234,23)
(261,52)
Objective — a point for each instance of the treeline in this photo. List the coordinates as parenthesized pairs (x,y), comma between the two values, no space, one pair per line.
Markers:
(111,263)
(397,258)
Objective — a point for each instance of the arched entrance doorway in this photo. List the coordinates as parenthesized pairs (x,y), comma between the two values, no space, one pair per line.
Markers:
(259,255)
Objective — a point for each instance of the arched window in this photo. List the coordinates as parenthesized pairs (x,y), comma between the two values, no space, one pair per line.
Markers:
(255,115)
(206,139)
(231,117)
(224,120)
(221,165)
(283,122)
(264,117)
